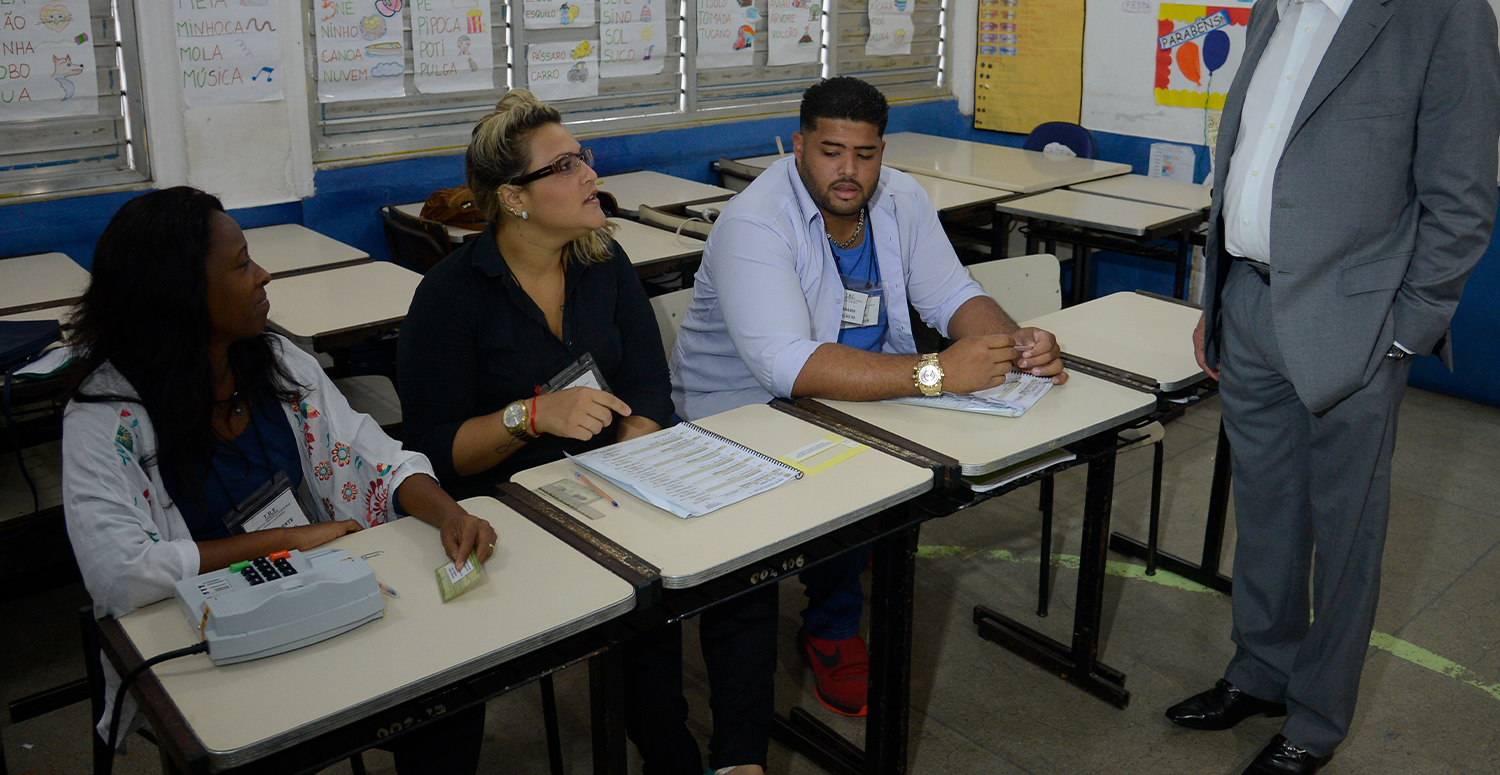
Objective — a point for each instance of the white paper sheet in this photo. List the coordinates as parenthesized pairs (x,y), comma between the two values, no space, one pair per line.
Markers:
(632,37)
(361,54)
(228,53)
(726,33)
(891,28)
(686,471)
(796,31)
(453,47)
(557,14)
(47,61)
(563,71)
(1012,398)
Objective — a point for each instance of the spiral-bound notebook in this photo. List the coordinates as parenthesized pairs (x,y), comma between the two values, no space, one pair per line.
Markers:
(687,470)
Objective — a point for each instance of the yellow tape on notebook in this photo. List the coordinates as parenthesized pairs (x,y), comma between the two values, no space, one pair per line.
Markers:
(823,454)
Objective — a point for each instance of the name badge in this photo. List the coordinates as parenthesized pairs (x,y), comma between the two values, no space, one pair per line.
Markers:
(860,309)
(855,304)
(274,505)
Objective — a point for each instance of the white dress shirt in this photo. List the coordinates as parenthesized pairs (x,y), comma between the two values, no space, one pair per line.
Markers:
(1275,95)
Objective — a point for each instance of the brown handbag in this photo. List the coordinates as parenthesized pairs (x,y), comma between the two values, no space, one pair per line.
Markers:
(453,207)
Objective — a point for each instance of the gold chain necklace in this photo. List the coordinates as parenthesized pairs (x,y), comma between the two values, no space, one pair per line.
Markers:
(859,229)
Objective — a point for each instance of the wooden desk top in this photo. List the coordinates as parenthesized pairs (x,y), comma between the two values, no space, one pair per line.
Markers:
(983,443)
(1135,332)
(1102,213)
(321,303)
(290,249)
(1160,191)
(40,280)
(692,551)
(456,234)
(649,244)
(537,591)
(633,189)
(995,166)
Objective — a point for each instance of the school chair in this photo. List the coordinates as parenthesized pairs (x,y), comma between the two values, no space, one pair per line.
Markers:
(1027,287)
(734,175)
(1077,139)
(374,395)
(681,224)
(416,243)
(670,309)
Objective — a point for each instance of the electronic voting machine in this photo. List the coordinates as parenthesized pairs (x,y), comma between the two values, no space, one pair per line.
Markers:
(288,600)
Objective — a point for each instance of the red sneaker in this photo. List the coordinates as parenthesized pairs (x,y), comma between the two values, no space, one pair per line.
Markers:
(842,670)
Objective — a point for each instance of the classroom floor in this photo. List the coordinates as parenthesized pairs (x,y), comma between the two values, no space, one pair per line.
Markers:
(1430,701)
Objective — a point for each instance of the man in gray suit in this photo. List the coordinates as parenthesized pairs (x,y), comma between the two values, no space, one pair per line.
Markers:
(1355,191)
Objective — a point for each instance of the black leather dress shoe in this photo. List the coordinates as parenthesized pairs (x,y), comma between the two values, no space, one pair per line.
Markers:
(1280,757)
(1221,708)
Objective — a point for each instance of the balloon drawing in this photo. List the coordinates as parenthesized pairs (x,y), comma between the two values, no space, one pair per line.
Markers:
(1187,61)
(1215,50)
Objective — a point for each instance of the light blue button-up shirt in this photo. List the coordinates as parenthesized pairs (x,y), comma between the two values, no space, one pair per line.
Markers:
(768,293)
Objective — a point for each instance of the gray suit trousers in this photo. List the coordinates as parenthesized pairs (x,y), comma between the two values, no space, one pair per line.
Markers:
(1311,499)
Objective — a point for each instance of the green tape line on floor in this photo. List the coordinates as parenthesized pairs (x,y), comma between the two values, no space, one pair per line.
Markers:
(1390,644)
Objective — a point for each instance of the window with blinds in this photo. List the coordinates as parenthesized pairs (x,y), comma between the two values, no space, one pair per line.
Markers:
(914,76)
(359,130)
(55,155)
(760,85)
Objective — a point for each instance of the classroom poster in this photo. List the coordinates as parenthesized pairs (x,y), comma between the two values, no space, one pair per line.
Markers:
(453,48)
(795,31)
(891,27)
(1198,50)
(632,37)
(563,71)
(228,53)
(361,55)
(726,33)
(1029,68)
(558,14)
(47,61)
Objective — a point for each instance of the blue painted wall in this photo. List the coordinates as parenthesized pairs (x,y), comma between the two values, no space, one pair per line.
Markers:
(347,202)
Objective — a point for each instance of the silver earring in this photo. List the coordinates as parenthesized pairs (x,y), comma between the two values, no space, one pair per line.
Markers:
(525,216)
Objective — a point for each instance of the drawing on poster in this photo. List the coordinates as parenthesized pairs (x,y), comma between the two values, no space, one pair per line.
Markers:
(1194,44)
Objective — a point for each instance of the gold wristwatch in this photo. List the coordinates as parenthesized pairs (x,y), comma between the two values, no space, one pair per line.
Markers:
(928,375)
(517,418)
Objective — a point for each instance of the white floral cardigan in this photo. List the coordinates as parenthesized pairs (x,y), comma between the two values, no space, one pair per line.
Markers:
(132,544)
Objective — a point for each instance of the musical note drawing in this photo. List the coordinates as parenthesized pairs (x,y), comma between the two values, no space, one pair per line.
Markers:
(265,70)
(649,49)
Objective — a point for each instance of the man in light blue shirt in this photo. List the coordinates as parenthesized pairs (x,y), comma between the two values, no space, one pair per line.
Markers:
(804,291)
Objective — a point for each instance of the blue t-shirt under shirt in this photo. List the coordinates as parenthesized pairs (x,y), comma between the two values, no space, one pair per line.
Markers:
(860,272)
(239,468)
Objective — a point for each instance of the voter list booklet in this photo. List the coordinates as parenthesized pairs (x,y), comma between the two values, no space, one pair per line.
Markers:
(1011,398)
(687,470)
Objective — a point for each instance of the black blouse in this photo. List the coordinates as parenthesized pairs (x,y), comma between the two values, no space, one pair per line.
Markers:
(474,341)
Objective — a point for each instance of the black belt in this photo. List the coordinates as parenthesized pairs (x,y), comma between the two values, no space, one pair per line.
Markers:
(1261,270)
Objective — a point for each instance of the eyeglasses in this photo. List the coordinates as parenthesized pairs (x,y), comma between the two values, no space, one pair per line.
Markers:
(565,165)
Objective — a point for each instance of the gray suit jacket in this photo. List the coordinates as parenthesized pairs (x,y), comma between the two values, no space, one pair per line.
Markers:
(1385,195)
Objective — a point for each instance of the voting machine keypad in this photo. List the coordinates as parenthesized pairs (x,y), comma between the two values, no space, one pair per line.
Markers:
(263,569)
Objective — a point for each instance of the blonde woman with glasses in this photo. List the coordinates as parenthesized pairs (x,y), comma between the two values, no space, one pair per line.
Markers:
(544,287)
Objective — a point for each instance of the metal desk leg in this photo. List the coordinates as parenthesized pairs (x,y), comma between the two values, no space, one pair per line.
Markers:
(894,564)
(999,234)
(1077,663)
(1206,572)
(607,706)
(1183,267)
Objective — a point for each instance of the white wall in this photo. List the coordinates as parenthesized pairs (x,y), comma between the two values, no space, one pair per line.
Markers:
(962,51)
(250,155)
